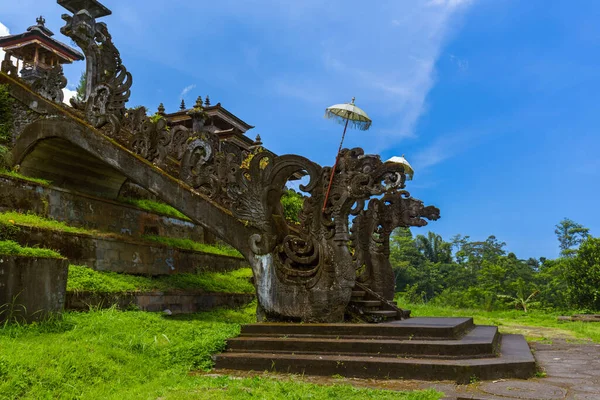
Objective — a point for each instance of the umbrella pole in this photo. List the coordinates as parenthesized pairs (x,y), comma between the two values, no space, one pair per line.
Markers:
(337,157)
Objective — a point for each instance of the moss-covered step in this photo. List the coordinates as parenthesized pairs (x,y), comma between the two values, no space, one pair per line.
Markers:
(180,294)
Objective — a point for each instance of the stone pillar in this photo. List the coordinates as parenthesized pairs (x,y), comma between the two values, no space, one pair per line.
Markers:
(32,289)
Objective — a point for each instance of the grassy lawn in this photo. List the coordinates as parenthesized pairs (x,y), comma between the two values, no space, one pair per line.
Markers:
(110,354)
(10,248)
(545,323)
(86,279)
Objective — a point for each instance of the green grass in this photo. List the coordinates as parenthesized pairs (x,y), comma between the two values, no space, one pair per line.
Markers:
(155,207)
(544,324)
(110,354)
(191,245)
(32,220)
(86,279)
(10,248)
(13,174)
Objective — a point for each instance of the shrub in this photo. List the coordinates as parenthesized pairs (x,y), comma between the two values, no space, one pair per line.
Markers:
(583,276)
(5,115)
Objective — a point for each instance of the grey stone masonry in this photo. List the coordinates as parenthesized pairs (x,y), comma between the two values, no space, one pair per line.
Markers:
(91,212)
(31,289)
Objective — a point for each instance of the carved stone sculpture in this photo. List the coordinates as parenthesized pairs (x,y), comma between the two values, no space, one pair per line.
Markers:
(50,83)
(107,79)
(301,273)
(7,66)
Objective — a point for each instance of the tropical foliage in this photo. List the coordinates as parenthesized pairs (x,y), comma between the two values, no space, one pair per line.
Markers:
(5,115)
(483,274)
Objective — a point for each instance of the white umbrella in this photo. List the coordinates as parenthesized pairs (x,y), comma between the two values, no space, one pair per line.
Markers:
(345,114)
(408,170)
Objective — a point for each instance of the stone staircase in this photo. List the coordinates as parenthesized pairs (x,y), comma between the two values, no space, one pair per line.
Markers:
(368,306)
(416,348)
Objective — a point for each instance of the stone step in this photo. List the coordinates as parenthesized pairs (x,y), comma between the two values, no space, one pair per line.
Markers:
(176,301)
(479,342)
(358,294)
(416,328)
(385,314)
(515,361)
(366,304)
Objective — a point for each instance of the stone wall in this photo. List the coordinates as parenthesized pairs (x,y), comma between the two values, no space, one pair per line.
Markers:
(176,302)
(91,212)
(131,257)
(31,289)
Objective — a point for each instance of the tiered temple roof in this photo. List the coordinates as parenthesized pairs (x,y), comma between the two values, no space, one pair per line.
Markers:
(226,125)
(37,44)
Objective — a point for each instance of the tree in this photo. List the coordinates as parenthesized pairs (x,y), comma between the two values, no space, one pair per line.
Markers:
(583,276)
(570,234)
(405,258)
(292,203)
(80,96)
(520,301)
(434,248)
(6,117)
(473,254)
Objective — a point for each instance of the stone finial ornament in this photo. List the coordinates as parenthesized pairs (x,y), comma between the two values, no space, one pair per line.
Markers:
(207,101)
(182,105)
(8,67)
(161,109)
(108,83)
(198,102)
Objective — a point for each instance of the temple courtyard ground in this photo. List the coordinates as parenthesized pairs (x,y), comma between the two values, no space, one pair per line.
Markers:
(569,369)
(567,354)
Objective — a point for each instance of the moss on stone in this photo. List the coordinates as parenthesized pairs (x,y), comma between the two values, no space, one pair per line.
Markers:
(11,248)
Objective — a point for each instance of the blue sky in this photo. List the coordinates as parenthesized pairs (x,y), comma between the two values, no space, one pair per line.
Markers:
(495,103)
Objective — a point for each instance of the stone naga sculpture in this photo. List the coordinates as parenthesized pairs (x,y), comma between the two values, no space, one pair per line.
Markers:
(308,273)
(371,230)
(107,79)
(304,273)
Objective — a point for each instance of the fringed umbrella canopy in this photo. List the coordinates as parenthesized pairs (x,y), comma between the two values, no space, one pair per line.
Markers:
(408,169)
(349,113)
(345,114)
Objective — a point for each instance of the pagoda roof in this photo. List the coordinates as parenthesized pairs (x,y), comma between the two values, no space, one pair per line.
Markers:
(213,111)
(40,35)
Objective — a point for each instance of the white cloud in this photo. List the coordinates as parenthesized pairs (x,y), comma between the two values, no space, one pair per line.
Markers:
(186,90)
(389,68)
(449,3)
(3,32)
(445,147)
(68,95)
(461,64)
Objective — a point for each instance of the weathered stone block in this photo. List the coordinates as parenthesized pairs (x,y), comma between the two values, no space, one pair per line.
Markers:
(179,302)
(31,289)
(91,212)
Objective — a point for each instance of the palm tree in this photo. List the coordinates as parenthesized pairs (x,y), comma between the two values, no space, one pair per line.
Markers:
(519,300)
(434,248)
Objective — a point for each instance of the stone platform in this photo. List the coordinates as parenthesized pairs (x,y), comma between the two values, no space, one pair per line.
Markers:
(417,348)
